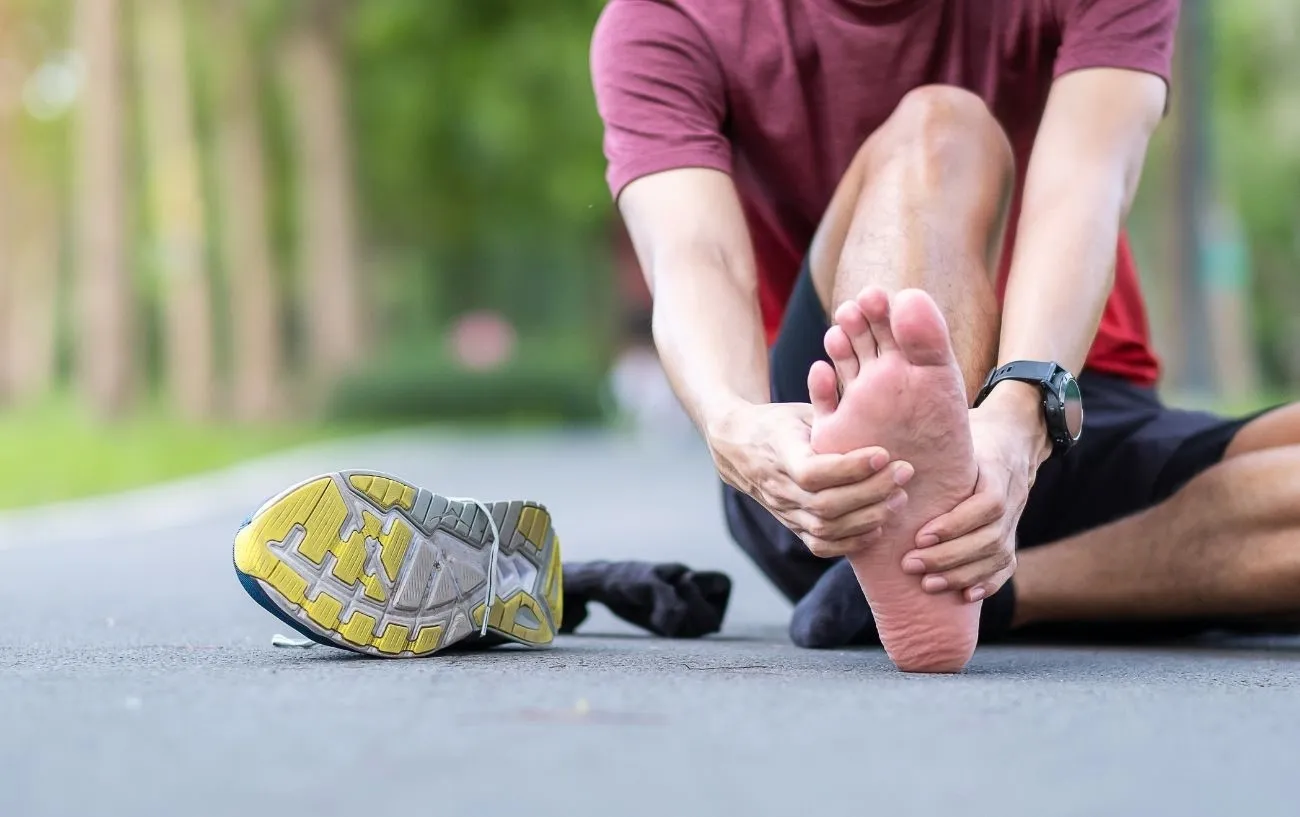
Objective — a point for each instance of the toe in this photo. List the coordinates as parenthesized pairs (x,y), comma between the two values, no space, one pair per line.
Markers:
(821,390)
(849,317)
(841,352)
(920,330)
(874,303)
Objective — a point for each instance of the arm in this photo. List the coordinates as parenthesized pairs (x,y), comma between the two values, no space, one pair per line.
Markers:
(691,240)
(1081,181)
(1080,184)
(662,97)
(693,245)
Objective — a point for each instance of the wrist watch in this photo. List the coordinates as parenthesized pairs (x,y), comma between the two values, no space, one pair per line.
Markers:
(1062,400)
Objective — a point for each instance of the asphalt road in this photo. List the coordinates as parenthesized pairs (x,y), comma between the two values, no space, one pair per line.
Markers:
(136,679)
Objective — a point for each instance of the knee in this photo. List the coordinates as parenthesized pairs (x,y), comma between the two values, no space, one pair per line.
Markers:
(940,129)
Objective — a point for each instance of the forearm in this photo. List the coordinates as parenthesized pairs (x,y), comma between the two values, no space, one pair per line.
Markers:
(1080,184)
(1061,278)
(1063,271)
(709,334)
(691,238)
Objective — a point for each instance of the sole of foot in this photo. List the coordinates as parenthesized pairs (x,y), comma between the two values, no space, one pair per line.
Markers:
(365,562)
(903,390)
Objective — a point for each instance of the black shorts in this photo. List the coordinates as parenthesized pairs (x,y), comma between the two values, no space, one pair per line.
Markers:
(1135,452)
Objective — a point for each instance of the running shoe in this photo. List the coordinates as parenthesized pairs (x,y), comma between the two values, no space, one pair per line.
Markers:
(365,562)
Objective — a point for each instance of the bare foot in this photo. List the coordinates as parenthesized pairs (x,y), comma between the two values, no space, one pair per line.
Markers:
(902,391)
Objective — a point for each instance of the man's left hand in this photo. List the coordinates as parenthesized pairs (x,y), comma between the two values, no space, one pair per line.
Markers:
(972,548)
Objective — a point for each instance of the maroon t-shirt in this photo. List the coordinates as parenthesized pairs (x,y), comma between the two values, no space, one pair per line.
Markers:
(782,93)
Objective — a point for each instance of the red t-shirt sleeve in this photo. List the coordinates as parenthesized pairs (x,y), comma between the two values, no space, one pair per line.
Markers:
(659,90)
(1133,34)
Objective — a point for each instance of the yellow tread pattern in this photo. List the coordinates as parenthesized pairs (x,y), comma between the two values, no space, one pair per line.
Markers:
(323,526)
(426,641)
(384,492)
(541,523)
(525,522)
(393,547)
(292,586)
(359,629)
(324,610)
(374,590)
(253,554)
(554,583)
(350,558)
(504,617)
(394,639)
(318,511)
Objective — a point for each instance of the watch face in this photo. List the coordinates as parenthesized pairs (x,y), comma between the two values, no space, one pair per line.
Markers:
(1072,404)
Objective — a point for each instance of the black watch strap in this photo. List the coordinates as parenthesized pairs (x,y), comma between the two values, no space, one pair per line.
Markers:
(1044,375)
(1023,371)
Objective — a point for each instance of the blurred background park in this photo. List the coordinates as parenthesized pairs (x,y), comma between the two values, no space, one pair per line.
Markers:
(233,226)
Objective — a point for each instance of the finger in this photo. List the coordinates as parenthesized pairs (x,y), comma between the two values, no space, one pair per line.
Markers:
(835,503)
(874,303)
(853,324)
(817,472)
(858,521)
(831,548)
(984,590)
(982,509)
(821,389)
(976,573)
(840,351)
(982,544)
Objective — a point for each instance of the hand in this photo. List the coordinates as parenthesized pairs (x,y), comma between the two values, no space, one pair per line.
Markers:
(835,503)
(973,547)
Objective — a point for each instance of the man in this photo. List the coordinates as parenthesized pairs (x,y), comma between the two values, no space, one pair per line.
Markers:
(947,180)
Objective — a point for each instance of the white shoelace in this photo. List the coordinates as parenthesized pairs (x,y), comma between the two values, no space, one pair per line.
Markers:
(279,640)
(492,557)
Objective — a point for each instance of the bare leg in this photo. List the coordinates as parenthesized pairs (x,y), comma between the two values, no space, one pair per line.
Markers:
(1227,544)
(924,206)
(920,212)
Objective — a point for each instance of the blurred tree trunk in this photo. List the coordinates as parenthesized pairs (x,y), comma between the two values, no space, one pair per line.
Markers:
(29,240)
(10,110)
(257,354)
(106,364)
(34,253)
(314,78)
(177,206)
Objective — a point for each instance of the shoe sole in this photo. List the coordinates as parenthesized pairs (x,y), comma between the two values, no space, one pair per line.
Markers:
(365,562)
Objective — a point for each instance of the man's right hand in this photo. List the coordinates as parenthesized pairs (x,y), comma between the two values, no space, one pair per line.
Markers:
(690,234)
(835,503)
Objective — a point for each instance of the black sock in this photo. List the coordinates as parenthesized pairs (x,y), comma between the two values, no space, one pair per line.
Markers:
(669,600)
(996,615)
(836,614)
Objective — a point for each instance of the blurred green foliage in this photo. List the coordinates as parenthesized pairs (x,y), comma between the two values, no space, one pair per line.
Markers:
(1257,125)
(481,171)
(479,178)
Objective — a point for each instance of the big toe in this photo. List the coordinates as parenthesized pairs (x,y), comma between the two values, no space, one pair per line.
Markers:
(919,329)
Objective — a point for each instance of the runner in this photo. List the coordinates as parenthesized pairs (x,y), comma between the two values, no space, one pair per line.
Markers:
(861,217)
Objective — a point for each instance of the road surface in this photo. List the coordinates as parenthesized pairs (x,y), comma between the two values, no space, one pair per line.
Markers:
(137,679)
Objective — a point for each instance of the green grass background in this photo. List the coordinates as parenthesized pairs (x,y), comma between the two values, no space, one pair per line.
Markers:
(53,452)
